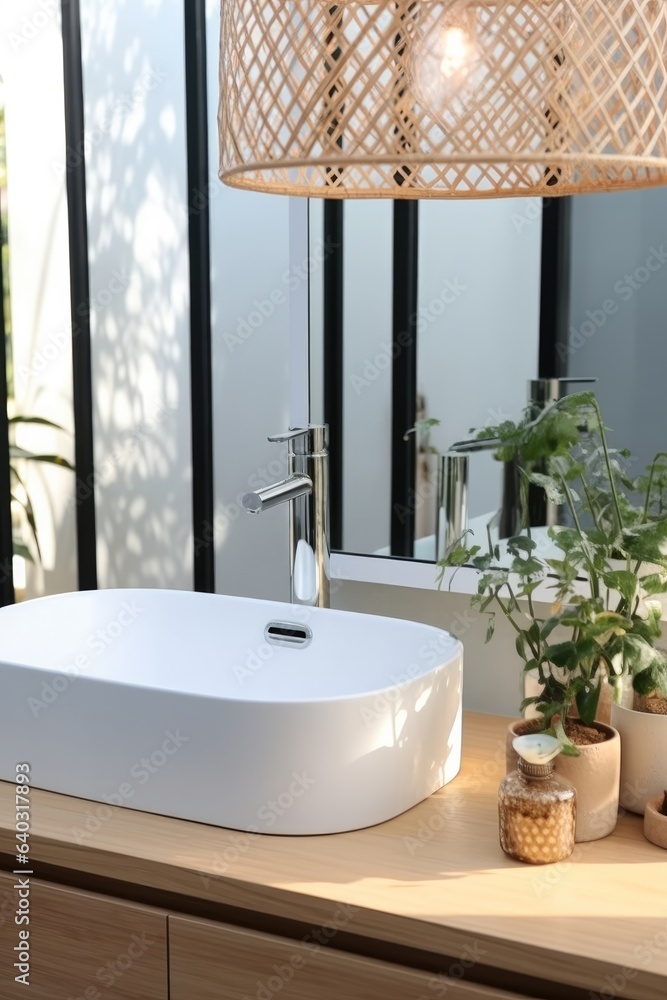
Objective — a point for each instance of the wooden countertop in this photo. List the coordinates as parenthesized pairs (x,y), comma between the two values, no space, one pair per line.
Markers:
(431,879)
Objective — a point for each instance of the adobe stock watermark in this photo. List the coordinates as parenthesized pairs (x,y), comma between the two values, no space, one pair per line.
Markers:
(552,875)
(624,290)
(105,470)
(418,322)
(227,514)
(61,340)
(440,985)
(445,808)
(121,108)
(140,772)
(267,815)
(112,971)
(48,12)
(430,654)
(263,309)
(531,214)
(316,939)
(417,498)
(97,643)
(644,952)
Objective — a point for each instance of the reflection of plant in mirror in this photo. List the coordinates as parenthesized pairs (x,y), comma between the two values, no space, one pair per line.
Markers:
(421,429)
(612,631)
(21,501)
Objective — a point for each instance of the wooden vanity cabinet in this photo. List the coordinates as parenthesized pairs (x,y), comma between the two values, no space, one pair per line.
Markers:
(215,961)
(423,889)
(83,946)
(87,946)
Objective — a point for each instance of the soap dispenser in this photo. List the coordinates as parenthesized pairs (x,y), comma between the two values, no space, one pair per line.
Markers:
(537,808)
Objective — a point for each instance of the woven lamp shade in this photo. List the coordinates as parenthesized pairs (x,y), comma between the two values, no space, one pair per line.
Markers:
(443,98)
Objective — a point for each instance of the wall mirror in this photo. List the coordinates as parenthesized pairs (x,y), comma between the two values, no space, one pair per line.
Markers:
(449,311)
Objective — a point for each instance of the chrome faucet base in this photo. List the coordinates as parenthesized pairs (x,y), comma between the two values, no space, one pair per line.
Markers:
(306,489)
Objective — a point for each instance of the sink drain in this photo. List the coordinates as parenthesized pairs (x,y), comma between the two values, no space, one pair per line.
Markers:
(288,634)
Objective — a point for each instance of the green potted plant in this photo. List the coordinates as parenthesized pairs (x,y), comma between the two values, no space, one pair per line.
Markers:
(591,635)
(640,713)
(25,539)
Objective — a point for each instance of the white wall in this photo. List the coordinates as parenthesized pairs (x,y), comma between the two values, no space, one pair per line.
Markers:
(138,255)
(31,61)
(252,289)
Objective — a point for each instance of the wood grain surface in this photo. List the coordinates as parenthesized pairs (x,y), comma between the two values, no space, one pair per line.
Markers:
(434,878)
(83,946)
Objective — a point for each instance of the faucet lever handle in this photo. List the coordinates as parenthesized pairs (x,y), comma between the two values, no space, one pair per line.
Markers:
(289,435)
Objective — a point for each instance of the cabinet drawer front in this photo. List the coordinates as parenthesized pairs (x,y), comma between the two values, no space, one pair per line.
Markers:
(82,946)
(212,961)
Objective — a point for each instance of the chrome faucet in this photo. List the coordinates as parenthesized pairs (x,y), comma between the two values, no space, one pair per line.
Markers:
(307,490)
(455,487)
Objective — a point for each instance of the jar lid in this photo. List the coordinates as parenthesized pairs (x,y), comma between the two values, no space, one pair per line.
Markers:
(537,748)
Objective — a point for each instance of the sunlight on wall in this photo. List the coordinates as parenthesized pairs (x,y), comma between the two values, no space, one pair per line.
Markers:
(138,251)
(31,58)
(252,290)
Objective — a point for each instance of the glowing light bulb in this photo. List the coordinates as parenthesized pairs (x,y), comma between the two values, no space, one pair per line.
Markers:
(458,52)
(448,64)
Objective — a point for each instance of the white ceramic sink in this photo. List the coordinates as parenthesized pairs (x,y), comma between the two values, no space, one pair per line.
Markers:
(176,703)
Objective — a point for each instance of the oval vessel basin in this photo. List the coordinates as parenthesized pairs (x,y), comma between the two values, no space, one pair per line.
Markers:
(189,705)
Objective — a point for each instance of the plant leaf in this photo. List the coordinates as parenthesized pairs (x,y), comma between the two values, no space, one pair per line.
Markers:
(647,542)
(29,456)
(563,654)
(624,581)
(587,701)
(42,421)
(550,486)
(521,543)
(533,700)
(654,583)
(653,679)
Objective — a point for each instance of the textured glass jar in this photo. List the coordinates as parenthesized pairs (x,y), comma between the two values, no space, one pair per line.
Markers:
(537,814)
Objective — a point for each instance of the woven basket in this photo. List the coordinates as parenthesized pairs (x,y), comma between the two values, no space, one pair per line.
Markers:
(437,99)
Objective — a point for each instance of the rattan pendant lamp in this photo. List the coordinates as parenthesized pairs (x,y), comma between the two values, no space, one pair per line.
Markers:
(443,98)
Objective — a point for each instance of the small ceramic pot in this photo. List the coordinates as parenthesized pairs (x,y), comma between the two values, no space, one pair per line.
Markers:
(644,762)
(595,775)
(655,824)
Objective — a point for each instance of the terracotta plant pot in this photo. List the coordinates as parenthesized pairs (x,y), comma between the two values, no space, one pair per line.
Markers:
(655,823)
(595,775)
(644,763)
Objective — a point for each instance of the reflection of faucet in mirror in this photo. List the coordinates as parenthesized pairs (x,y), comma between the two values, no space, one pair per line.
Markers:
(452,518)
(453,494)
(307,491)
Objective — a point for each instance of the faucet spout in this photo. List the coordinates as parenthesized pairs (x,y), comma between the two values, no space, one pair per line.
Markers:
(287,489)
(306,490)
